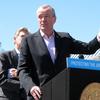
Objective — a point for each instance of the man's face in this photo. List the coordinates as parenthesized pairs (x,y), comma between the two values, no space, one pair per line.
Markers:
(46,19)
(19,38)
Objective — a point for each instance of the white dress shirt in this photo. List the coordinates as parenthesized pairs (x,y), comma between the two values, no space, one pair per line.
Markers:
(50,43)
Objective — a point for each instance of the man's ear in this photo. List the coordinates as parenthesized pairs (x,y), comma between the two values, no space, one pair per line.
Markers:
(14,40)
(54,20)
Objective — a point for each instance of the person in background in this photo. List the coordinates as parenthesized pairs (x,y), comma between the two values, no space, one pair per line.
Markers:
(9,81)
(43,54)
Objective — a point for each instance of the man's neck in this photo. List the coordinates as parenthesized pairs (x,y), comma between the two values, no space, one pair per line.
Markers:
(47,33)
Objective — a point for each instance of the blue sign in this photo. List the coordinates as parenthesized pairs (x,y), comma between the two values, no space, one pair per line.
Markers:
(83,64)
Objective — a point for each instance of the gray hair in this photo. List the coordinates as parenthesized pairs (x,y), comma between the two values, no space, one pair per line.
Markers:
(24,29)
(47,6)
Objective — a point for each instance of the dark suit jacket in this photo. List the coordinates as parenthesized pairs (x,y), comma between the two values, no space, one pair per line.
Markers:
(36,66)
(9,60)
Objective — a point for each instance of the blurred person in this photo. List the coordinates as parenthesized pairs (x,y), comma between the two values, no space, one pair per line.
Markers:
(9,82)
(43,54)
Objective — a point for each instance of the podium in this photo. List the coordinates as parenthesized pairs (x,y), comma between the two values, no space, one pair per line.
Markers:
(81,74)
(56,88)
(70,83)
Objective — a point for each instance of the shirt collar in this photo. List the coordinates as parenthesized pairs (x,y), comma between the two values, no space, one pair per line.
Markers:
(44,35)
(18,52)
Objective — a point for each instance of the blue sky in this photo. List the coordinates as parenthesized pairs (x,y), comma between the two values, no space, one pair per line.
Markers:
(81,18)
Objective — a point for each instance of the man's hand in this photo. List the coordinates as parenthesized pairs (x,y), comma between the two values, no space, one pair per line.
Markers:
(98,37)
(36,92)
(13,72)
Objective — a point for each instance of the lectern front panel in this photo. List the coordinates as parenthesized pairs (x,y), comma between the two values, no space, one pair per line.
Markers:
(81,74)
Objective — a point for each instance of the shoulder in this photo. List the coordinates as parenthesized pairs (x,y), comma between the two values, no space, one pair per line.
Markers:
(6,54)
(31,36)
(63,34)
